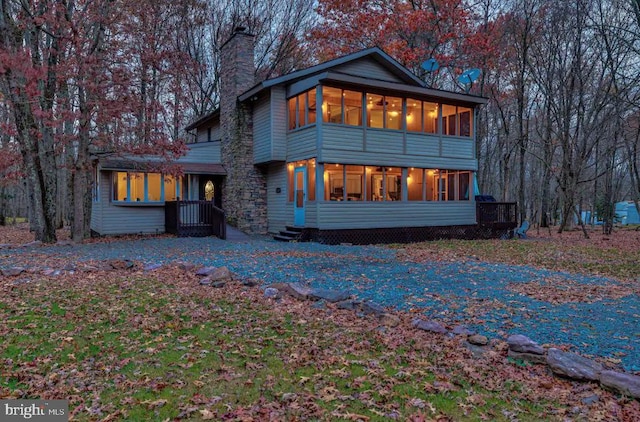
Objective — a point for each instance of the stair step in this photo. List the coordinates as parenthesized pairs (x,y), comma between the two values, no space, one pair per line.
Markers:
(290,233)
(283,238)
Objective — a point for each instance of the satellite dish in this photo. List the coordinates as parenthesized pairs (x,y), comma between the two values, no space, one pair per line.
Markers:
(468,77)
(430,65)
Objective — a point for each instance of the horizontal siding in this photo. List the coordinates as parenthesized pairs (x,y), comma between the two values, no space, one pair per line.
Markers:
(423,145)
(368,67)
(365,215)
(311,214)
(278,123)
(397,160)
(133,219)
(202,134)
(457,147)
(262,131)
(385,141)
(207,152)
(279,213)
(301,144)
(342,138)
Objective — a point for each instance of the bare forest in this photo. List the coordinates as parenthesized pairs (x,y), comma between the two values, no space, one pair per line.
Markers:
(560,135)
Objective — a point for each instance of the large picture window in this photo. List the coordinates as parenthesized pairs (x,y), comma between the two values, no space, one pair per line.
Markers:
(145,187)
(302,109)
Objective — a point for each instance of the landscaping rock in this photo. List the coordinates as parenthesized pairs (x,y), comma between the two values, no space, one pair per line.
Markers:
(372,308)
(205,270)
(350,305)
(250,282)
(523,344)
(185,266)
(529,357)
(626,384)
(218,284)
(478,340)
(389,320)
(120,264)
(205,282)
(271,292)
(298,291)
(220,274)
(477,351)
(152,267)
(65,243)
(590,400)
(12,272)
(332,296)
(432,326)
(462,330)
(573,366)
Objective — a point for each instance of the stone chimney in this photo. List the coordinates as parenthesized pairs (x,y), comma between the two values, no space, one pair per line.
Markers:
(244,191)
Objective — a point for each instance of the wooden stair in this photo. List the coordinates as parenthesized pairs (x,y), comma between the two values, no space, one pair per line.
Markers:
(291,234)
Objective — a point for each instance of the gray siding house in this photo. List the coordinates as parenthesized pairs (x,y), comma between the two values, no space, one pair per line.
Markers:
(354,149)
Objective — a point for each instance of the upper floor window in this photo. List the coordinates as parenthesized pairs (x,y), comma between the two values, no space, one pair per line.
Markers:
(422,116)
(145,187)
(384,112)
(341,106)
(302,109)
(457,121)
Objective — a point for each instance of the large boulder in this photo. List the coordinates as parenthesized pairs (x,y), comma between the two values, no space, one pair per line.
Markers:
(523,344)
(573,366)
(328,295)
(624,383)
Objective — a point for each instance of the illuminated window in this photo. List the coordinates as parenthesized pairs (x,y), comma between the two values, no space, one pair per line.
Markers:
(311,178)
(334,182)
(449,120)
(415,184)
(352,108)
(145,187)
(414,115)
(430,117)
(375,111)
(355,183)
(332,104)
(311,101)
(385,184)
(393,113)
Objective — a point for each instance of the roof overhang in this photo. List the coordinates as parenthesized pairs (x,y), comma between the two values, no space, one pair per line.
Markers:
(204,119)
(119,164)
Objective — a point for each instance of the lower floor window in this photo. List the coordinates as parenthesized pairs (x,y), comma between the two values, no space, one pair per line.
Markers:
(438,185)
(145,187)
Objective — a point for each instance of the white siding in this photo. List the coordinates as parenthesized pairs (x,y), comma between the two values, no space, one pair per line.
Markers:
(301,144)
(363,215)
(279,212)
(262,141)
(370,68)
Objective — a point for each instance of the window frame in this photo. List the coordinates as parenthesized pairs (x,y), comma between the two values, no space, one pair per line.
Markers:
(178,182)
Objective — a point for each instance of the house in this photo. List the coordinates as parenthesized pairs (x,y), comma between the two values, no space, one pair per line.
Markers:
(357,149)
(626,213)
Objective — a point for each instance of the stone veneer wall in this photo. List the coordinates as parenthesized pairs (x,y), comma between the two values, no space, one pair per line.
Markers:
(244,192)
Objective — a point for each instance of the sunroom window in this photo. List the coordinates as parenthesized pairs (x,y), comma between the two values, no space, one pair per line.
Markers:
(302,109)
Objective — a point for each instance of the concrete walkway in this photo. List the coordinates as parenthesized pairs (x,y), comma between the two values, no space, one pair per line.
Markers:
(235,235)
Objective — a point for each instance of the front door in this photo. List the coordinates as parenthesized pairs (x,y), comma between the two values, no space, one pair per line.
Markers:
(300,193)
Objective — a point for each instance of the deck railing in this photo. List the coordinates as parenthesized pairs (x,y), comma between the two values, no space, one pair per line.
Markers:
(497,214)
(194,218)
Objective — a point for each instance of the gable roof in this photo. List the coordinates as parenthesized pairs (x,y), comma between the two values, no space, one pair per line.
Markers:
(375,53)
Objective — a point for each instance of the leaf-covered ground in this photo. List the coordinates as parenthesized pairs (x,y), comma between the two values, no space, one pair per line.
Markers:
(135,345)
(156,345)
